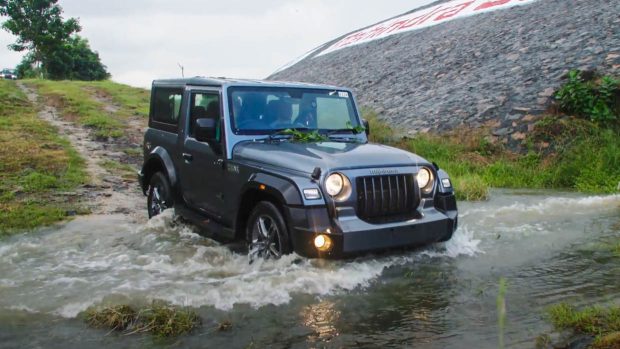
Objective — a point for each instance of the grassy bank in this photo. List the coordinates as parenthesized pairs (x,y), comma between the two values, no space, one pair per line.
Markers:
(104,106)
(38,169)
(601,323)
(583,156)
(160,319)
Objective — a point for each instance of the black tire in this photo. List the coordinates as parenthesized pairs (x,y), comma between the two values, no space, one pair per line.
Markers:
(159,195)
(266,232)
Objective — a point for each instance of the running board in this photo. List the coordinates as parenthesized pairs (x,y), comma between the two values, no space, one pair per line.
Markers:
(209,226)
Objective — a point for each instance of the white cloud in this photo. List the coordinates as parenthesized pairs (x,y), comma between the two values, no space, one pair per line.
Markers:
(142,40)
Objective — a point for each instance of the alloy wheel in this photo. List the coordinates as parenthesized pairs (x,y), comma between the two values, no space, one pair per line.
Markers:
(265,239)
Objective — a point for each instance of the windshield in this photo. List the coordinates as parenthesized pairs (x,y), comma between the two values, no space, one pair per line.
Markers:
(264,110)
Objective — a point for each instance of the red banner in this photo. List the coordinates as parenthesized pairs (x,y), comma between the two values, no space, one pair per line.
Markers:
(422,19)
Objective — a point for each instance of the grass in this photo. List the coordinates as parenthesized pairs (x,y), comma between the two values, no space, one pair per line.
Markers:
(104,106)
(602,323)
(579,155)
(35,166)
(160,319)
(117,318)
(131,100)
(125,171)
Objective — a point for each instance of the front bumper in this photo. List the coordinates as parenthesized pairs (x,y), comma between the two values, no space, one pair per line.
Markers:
(437,222)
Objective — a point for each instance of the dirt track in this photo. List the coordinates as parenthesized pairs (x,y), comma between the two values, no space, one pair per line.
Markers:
(107,192)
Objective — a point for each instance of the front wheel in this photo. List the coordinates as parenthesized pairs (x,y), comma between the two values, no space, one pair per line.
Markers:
(266,232)
(160,195)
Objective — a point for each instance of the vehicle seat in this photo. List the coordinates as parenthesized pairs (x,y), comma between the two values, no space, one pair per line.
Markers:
(213,112)
(198,112)
(252,111)
(278,113)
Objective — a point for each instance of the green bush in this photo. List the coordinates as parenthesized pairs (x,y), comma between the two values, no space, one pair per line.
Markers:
(590,99)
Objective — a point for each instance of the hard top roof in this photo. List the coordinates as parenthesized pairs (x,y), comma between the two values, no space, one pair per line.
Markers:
(221,81)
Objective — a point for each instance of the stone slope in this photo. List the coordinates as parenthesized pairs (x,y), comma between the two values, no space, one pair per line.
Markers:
(491,68)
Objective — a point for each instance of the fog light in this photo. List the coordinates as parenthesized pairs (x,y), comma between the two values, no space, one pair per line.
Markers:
(322,242)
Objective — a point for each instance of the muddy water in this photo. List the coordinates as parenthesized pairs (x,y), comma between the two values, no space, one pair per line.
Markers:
(549,246)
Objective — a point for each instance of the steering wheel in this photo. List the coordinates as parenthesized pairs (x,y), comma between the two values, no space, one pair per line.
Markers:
(248,124)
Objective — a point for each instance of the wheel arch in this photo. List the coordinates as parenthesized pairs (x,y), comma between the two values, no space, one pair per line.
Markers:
(263,187)
(158,160)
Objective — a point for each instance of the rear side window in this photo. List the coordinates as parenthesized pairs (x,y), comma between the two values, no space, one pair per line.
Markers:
(167,105)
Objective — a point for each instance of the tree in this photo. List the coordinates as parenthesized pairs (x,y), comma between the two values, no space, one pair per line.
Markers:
(27,69)
(53,47)
(38,26)
(75,61)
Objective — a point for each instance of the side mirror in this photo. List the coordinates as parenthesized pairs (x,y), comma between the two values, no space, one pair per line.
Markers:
(205,130)
(366,127)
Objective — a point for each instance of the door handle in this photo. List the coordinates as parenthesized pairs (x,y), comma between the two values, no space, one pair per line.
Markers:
(188,157)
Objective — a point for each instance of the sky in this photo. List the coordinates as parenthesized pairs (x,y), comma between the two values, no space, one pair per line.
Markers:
(143,40)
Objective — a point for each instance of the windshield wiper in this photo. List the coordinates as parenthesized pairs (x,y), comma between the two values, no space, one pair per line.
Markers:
(351,134)
(287,132)
(342,130)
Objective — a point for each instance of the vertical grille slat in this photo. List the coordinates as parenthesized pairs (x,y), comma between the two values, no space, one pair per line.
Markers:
(386,197)
(382,207)
(398,205)
(374,196)
(365,200)
(405,191)
(390,194)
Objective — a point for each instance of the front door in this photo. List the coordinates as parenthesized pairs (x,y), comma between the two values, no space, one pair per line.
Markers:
(203,162)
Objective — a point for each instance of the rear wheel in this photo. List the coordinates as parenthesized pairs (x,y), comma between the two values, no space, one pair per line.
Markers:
(160,194)
(266,232)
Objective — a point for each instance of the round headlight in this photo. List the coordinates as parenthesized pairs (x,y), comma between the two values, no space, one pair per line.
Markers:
(424,177)
(334,184)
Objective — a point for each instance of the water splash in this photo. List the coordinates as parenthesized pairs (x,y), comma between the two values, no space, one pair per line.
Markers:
(67,270)
(63,271)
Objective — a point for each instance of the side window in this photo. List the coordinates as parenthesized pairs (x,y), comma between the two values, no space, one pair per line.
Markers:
(205,105)
(167,105)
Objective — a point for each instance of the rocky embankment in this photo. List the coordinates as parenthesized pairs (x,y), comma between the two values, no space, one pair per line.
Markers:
(498,69)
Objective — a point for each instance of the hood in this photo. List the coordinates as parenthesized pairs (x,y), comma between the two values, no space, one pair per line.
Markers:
(326,155)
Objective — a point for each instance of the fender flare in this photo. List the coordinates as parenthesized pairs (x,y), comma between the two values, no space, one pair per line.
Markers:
(160,155)
(284,190)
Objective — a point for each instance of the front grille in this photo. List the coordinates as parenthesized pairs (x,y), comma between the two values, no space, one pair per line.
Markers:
(387,198)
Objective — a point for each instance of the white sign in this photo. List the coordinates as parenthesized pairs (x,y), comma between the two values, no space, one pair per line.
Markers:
(421,19)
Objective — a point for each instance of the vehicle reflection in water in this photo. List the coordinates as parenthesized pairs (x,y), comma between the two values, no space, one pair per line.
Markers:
(322,318)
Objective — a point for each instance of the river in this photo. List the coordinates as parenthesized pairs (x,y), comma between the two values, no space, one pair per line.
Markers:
(548,246)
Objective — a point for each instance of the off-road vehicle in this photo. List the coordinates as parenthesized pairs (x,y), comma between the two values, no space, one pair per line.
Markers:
(287,167)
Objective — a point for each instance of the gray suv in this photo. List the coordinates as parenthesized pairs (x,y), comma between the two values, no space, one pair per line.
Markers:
(287,167)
